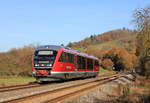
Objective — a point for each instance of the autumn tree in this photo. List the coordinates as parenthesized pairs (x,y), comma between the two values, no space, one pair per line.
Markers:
(94,51)
(107,64)
(142,21)
(121,58)
(16,61)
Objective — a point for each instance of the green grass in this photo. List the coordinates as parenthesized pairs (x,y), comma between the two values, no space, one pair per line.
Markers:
(122,43)
(107,44)
(117,43)
(102,70)
(16,79)
(105,72)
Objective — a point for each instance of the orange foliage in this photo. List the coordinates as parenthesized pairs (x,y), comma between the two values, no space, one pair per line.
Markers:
(121,58)
(94,51)
(107,64)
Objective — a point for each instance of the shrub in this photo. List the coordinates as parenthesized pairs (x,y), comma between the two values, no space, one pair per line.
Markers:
(107,64)
(16,61)
(121,58)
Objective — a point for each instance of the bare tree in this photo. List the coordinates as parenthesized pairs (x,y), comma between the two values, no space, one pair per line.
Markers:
(142,21)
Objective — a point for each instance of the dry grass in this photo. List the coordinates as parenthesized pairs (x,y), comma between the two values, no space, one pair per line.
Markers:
(138,92)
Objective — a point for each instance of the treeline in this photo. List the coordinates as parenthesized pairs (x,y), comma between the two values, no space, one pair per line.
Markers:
(16,62)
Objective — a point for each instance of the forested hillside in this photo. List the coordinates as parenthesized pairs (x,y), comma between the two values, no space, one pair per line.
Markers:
(124,38)
(97,44)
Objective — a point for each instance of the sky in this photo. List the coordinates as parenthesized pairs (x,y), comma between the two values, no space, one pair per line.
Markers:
(55,22)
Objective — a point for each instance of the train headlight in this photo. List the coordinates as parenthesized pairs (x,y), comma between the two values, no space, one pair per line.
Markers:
(34,72)
(36,65)
(49,65)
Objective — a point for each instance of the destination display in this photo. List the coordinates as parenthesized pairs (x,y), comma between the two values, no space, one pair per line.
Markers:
(45,53)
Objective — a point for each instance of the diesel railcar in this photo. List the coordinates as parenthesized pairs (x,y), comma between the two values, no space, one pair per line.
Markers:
(52,62)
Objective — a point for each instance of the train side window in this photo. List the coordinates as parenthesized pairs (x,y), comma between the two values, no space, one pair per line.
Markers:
(66,57)
(71,58)
(89,64)
(81,62)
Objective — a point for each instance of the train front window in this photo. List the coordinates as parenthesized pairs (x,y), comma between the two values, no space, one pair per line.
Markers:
(44,58)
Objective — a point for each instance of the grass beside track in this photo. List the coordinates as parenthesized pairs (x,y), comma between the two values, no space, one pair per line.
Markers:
(103,70)
(11,80)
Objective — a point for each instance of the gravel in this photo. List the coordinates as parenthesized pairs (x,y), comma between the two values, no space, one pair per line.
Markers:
(104,93)
(5,96)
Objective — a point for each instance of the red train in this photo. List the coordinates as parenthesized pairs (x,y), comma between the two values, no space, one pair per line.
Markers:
(57,62)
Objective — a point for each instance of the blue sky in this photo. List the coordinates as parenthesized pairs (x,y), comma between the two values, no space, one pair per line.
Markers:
(24,22)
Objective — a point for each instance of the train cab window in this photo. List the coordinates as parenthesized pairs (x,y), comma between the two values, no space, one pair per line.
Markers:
(89,64)
(45,57)
(81,62)
(66,57)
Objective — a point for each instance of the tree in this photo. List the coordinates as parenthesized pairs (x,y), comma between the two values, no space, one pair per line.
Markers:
(121,58)
(107,64)
(142,21)
(62,45)
(69,45)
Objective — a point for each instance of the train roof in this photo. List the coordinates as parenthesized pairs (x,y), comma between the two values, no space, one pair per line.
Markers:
(52,47)
(56,48)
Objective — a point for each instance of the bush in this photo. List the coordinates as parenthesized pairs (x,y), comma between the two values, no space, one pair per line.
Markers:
(17,61)
(121,58)
(107,63)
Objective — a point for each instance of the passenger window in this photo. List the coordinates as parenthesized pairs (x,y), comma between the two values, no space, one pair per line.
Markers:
(66,57)
(89,64)
(81,62)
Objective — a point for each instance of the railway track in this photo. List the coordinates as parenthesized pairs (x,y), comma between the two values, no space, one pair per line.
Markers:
(62,93)
(17,87)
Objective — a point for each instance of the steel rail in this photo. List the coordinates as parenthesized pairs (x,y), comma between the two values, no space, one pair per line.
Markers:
(96,80)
